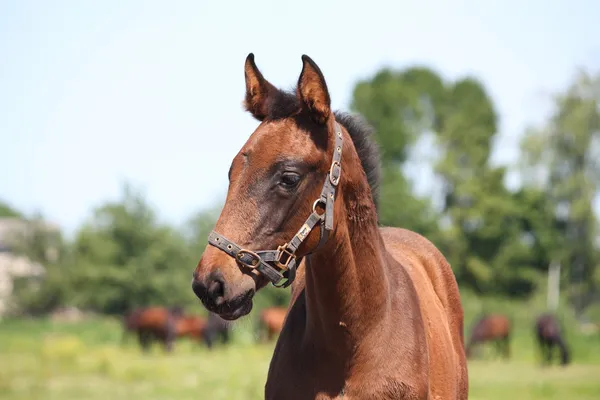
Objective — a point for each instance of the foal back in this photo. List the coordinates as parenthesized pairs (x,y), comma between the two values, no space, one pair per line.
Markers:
(441,310)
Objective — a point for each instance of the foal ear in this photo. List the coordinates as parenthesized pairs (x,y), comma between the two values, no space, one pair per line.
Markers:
(258,90)
(313,92)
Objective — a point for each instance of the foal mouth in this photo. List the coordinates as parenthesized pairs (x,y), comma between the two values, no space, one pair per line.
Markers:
(239,312)
(236,307)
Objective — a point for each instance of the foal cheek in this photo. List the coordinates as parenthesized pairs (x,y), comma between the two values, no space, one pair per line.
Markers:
(273,215)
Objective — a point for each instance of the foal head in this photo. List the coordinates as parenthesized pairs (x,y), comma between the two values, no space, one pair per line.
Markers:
(276,181)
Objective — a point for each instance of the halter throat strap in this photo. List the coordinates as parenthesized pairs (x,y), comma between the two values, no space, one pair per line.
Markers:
(279,266)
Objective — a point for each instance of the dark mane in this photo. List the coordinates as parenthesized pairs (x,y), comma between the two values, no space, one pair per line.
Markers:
(285,104)
(362,135)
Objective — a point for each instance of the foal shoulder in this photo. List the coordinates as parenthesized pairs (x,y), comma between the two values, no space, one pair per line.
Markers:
(405,245)
(435,283)
(409,247)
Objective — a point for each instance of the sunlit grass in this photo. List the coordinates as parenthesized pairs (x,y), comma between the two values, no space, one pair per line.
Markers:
(59,364)
(43,360)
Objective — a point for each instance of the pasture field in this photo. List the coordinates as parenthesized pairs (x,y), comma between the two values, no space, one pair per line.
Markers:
(40,359)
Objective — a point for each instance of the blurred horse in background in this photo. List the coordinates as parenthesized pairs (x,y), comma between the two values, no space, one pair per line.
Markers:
(216,327)
(548,334)
(161,324)
(491,328)
(191,326)
(271,322)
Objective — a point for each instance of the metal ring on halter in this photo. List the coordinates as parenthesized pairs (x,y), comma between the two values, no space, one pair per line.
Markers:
(333,178)
(323,204)
(255,258)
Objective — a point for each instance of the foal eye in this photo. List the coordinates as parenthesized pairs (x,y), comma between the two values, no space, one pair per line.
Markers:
(289,180)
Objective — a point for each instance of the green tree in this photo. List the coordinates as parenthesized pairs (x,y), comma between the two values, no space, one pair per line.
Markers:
(480,224)
(45,246)
(562,159)
(401,106)
(6,210)
(125,258)
(476,202)
(199,226)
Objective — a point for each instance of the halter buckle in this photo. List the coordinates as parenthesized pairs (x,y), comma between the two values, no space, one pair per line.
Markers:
(289,257)
(252,264)
(335,172)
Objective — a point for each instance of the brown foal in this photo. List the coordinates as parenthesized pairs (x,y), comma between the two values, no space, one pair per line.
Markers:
(271,322)
(375,312)
(491,328)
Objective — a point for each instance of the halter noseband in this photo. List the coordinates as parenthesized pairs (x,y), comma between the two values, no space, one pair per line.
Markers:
(281,264)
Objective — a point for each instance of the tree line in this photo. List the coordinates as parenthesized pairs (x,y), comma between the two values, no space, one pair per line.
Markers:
(499,241)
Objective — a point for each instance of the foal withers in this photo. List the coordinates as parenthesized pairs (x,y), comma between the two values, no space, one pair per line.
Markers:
(375,313)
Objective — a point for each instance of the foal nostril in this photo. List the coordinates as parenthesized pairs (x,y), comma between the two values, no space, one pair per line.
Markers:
(210,290)
(216,291)
(198,288)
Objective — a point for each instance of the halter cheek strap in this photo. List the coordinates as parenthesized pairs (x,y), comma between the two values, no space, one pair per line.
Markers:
(279,265)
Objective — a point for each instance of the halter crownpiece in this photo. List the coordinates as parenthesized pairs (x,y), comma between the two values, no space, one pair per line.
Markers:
(281,264)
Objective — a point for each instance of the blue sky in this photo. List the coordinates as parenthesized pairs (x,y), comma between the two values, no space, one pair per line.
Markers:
(93,95)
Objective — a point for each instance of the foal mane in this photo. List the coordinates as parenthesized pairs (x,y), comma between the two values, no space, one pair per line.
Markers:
(285,104)
(362,135)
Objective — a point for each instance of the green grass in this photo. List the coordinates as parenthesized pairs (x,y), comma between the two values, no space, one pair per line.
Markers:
(41,360)
(44,360)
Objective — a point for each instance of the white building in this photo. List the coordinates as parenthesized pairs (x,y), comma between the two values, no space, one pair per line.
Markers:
(13,265)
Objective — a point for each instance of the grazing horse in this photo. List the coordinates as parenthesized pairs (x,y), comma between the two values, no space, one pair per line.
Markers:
(130,322)
(549,335)
(153,323)
(191,326)
(216,327)
(375,312)
(271,321)
(491,327)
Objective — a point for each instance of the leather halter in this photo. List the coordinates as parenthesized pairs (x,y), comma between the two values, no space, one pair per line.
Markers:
(281,264)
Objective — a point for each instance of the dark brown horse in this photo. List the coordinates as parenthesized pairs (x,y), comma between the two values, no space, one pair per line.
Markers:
(491,328)
(549,336)
(271,322)
(216,328)
(375,312)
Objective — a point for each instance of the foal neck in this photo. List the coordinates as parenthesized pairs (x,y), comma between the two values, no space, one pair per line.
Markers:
(346,283)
